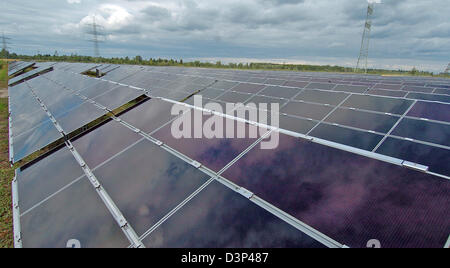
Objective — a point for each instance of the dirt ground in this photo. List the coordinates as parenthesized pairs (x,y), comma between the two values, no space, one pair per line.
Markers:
(3,93)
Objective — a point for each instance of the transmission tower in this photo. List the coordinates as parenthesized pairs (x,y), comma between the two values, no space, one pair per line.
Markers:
(447,71)
(364,52)
(95,32)
(5,43)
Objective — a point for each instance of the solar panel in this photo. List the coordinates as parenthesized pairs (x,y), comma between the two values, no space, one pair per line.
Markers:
(351,137)
(34,139)
(152,188)
(348,197)
(28,75)
(307,110)
(364,120)
(435,158)
(112,138)
(360,157)
(423,130)
(433,111)
(20,68)
(73,214)
(228,222)
(117,97)
(78,117)
(323,97)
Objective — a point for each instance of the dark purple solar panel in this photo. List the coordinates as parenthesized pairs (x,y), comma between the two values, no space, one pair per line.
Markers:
(220,218)
(424,131)
(213,153)
(434,111)
(435,158)
(351,198)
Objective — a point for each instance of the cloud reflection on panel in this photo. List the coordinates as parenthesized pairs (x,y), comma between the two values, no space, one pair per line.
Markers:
(350,198)
(220,218)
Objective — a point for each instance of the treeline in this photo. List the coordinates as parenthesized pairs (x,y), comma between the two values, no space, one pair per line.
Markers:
(138,60)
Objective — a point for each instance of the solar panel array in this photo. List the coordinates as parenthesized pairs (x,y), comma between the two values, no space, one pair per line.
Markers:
(360,158)
(18,67)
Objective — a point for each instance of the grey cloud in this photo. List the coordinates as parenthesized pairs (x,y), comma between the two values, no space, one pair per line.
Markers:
(413,30)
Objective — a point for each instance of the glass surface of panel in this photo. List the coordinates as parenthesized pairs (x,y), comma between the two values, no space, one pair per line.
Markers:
(389,93)
(248,88)
(307,110)
(351,88)
(324,97)
(220,218)
(354,138)
(258,100)
(118,97)
(275,82)
(34,140)
(442,91)
(424,131)
(104,142)
(64,104)
(435,158)
(380,104)
(257,80)
(27,122)
(297,125)
(211,93)
(74,213)
(82,115)
(149,115)
(234,97)
(146,183)
(418,89)
(433,111)
(97,90)
(46,177)
(326,86)
(364,120)
(388,86)
(224,85)
(204,81)
(279,92)
(298,84)
(18,92)
(216,152)
(350,198)
(429,97)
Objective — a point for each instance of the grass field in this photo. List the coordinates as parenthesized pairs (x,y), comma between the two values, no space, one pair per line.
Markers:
(3,74)
(6,172)
(6,176)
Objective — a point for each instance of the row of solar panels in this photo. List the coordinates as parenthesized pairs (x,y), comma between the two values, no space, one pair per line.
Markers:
(19,67)
(140,143)
(356,120)
(433,91)
(342,197)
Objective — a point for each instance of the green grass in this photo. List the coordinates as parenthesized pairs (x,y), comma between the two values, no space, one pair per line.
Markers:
(6,172)
(6,176)
(3,74)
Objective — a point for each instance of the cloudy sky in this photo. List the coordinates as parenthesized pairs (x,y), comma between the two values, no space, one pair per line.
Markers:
(406,33)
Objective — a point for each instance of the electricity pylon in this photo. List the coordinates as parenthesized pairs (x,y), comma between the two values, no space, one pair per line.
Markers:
(5,44)
(95,36)
(447,71)
(364,52)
